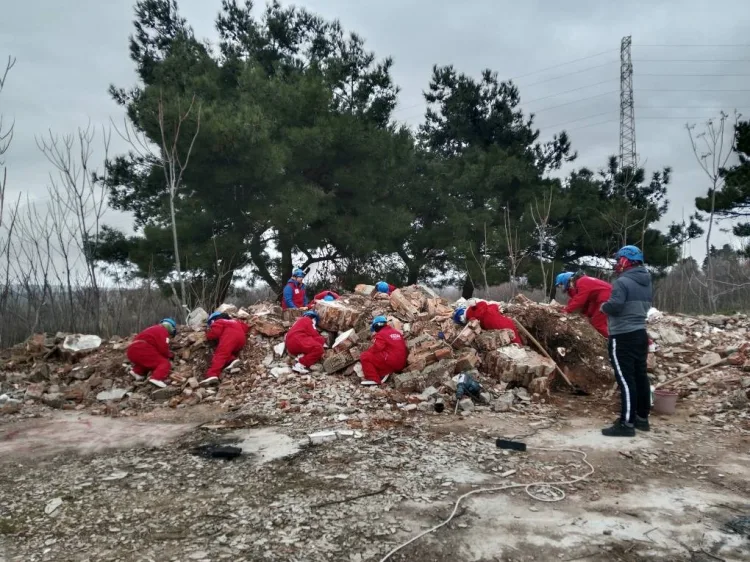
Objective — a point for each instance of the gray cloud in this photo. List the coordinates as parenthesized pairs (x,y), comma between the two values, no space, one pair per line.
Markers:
(67,59)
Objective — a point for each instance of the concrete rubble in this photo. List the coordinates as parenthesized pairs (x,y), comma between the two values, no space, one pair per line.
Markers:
(44,370)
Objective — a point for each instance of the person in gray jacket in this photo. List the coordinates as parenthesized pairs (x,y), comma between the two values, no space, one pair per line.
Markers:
(627,310)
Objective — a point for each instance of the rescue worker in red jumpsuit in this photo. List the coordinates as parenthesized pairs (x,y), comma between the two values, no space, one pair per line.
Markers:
(303,339)
(587,294)
(294,294)
(149,352)
(232,336)
(386,355)
(383,287)
(326,296)
(490,318)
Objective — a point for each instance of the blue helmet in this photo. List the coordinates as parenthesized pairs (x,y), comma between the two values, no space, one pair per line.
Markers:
(298,272)
(382,287)
(311,314)
(170,325)
(564,279)
(631,253)
(459,315)
(213,317)
(377,323)
(329,298)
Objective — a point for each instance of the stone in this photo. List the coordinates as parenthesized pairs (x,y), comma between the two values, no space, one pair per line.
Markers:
(494,339)
(429,392)
(226,308)
(112,394)
(35,391)
(276,372)
(335,316)
(504,403)
(466,405)
(539,385)
(467,335)
(338,361)
(366,290)
(417,381)
(710,357)
(745,382)
(54,400)
(467,360)
(403,306)
(243,314)
(268,326)
(291,314)
(39,373)
(650,362)
(165,393)
(346,340)
(666,334)
(81,342)
(486,397)
(279,349)
(197,318)
(517,364)
(738,399)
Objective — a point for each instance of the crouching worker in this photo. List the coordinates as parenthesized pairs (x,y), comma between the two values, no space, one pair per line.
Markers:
(627,310)
(385,288)
(326,296)
(587,295)
(149,352)
(303,339)
(490,318)
(387,354)
(231,336)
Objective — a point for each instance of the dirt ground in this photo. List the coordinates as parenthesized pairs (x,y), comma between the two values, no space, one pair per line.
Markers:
(87,488)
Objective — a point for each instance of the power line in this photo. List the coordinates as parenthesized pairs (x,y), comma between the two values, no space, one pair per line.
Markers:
(575,101)
(689,90)
(691,60)
(569,91)
(691,46)
(704,75)
(563,64)
(570,74)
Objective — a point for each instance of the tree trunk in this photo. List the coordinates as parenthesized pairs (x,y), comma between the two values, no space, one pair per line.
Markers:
(285,248)
(467,290)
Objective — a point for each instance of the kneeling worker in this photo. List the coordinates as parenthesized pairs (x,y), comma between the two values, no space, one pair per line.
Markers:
(387,354)
(294,294)
(232,336)
(326,296)
(587,295)
(385,288)
(303,339)
(489,316)
(149,352)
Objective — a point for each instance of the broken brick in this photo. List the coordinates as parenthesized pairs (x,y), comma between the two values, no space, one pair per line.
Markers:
(335,316)
(517,364)
(366,290)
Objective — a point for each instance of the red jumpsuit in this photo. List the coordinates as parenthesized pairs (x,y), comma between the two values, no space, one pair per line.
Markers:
(324,294)
(231,335)
(304,339)
(386,355)
(149,351)
(587,296)
(490,318)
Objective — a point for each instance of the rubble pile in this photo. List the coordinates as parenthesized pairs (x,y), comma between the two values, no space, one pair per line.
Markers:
(73,371)
(718,346)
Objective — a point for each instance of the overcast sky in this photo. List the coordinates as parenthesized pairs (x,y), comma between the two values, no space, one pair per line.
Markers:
(68,56)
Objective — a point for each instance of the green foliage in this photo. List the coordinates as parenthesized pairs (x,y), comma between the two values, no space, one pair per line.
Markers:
(733,198)
(297,162)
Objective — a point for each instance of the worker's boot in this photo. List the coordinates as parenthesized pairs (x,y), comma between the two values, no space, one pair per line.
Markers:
(619,429)
(641,424)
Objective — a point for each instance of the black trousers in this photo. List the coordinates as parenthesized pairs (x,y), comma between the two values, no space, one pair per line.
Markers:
(628,354)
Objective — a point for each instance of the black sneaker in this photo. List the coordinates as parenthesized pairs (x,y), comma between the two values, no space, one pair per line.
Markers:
(641,424)
(619,429)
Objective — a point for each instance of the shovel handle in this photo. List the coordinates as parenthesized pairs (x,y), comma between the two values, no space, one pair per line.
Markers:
(543,351)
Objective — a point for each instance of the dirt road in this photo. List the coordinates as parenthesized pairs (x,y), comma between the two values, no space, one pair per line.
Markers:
(81,488)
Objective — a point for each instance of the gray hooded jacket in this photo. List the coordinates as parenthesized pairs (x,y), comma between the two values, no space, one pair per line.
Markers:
(627,308)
